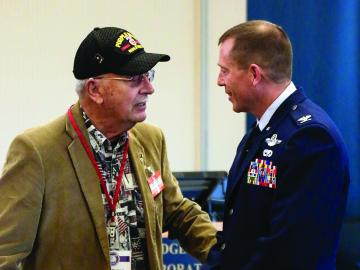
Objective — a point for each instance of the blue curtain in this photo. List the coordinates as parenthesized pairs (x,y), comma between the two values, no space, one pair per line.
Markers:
(326,38)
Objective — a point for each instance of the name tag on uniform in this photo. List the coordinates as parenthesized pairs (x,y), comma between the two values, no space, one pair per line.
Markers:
(120,259)
(155,183)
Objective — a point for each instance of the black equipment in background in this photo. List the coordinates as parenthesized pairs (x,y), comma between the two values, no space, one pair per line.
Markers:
(207,188)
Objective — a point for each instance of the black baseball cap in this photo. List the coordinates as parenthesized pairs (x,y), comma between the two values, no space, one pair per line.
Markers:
(113,50)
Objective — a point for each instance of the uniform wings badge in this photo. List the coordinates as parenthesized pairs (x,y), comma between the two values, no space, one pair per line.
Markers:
(273,140)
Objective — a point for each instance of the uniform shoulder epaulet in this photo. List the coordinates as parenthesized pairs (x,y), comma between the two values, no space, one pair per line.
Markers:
(300,115)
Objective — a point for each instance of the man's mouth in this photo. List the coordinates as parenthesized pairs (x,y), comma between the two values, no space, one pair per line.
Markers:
(140,104)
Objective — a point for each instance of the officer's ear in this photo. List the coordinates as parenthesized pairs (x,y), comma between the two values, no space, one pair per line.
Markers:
(93,90)
(255,73)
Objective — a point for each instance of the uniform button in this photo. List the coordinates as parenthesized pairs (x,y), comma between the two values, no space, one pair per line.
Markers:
(231,211)
(222,246)
(294,107)
(268,128)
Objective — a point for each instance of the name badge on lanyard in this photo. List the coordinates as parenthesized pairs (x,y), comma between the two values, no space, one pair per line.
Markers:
(120,259)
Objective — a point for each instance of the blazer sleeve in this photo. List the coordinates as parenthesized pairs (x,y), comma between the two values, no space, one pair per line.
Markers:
(21,189)
(184,218)
(308,207)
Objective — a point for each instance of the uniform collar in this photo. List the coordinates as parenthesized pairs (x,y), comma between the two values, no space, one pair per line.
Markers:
(265,118)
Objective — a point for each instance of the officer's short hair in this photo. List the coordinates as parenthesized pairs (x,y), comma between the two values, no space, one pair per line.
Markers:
(262,43)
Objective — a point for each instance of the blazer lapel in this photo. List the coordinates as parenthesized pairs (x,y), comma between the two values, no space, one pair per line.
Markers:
(87,178)
(139,163)
(138,160)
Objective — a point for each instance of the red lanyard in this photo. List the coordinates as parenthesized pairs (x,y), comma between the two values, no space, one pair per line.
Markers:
(112,203)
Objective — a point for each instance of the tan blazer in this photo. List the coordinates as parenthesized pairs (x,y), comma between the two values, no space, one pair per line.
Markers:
(51,211)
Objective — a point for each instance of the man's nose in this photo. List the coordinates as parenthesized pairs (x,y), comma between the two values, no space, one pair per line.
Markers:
(147,87)
(220,80)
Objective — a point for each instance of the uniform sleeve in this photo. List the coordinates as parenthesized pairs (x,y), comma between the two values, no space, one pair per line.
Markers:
(309,204)
(21,189)
(183,218)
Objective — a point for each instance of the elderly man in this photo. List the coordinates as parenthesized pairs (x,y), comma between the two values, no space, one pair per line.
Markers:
(93,188)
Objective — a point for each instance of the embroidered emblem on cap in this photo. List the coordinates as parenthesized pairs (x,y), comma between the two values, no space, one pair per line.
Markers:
(273,140)
(127,42)
(304,118)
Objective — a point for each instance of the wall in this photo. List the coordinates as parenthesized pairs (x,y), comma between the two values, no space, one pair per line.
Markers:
(225,127)
(39,40)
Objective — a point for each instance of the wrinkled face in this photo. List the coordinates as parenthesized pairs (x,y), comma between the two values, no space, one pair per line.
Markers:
(236,81)
(124,101)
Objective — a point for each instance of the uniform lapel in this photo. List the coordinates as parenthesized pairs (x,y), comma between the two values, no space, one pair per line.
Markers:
(239,167)
(240,164)
(235,167)
(88,179)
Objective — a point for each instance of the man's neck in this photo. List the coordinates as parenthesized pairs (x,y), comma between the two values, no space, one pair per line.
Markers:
(267,115)
(267,95)
(108,127)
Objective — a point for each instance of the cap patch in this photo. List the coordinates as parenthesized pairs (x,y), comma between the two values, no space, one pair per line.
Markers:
(127,42)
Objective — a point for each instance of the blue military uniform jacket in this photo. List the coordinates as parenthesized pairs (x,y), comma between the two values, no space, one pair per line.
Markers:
(285,200)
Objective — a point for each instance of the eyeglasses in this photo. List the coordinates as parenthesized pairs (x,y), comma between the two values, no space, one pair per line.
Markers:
(136,80)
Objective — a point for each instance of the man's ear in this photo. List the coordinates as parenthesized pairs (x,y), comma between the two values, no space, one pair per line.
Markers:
(255,74)
(92,88)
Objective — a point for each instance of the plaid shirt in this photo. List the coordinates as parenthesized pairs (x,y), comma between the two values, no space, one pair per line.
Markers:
(128,230)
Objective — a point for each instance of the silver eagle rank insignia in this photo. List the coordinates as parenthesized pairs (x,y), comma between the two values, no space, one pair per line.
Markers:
(304,118)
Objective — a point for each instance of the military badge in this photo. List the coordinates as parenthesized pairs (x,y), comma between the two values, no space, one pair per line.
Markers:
(267,153)
(262,173)
(273,140)
(304,118)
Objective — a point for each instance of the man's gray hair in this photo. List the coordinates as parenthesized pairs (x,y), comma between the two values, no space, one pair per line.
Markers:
(80,86)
